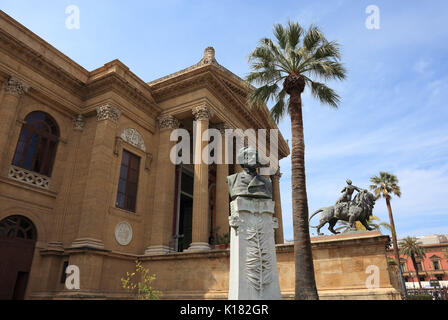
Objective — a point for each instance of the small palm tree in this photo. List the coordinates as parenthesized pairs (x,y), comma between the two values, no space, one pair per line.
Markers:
(282,69)
(411,248)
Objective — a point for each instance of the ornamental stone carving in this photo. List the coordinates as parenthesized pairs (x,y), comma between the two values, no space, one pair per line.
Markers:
(168,122)
(148,161)
(16,87)
(79,122)
(209,57)
(276,176)
(202,113)
(222,127)
(108,112)
(123,233)
(29,177)
(133,137)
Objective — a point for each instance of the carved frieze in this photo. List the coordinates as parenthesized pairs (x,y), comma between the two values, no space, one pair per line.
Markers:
(202,113)
(108,112)
(16,87)
(168,122)
(133,137)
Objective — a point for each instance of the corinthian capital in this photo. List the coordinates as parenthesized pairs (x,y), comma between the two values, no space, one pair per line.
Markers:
(168,122)
(222,127)
(108,112)
(16,87)
(202,113)
(276,176)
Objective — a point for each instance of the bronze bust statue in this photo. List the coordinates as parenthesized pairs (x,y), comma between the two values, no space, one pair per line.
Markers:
(249,183)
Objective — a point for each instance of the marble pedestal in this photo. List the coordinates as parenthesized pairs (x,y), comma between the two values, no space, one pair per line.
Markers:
(253,263)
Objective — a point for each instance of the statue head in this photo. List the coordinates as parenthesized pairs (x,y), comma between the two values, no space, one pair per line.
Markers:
(248,158)
(348,181)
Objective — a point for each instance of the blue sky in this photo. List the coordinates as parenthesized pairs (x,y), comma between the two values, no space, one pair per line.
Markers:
(393,115)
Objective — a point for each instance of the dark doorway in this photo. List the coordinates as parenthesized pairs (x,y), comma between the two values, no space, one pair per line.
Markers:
(184,219)
(185,222)
(17,240)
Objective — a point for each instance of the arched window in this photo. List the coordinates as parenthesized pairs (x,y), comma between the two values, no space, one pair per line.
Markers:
(37,144)
(17,227)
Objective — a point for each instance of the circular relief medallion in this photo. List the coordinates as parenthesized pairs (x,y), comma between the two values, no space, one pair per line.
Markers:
(123,233)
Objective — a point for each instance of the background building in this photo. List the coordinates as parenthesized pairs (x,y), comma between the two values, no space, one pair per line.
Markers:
(433,267)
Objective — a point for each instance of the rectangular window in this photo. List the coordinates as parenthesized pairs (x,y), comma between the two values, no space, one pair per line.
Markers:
(402,267)
(128,181)
(436,265)
(419,266)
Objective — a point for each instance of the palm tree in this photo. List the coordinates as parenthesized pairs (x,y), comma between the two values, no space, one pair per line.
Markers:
(411,248)
(384,186)
(282,69)
(344,226)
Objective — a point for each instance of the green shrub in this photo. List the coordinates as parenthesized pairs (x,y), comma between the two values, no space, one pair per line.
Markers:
(143,288)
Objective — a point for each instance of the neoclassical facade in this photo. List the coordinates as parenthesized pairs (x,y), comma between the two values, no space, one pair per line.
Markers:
(85,171)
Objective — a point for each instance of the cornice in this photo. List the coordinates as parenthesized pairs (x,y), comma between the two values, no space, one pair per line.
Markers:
(207,77)
(114,82)
(19,51)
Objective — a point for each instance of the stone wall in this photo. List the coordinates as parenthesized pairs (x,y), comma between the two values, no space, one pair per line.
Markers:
(340,266)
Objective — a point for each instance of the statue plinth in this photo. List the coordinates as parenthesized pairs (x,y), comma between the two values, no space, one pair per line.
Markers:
(253,262)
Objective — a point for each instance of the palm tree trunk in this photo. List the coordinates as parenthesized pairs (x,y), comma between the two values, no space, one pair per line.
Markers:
(416,270)
(305,284)
(395,243)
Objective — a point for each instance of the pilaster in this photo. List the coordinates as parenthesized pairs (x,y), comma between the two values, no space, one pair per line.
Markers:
(14,90)
(96,200)
(161,233)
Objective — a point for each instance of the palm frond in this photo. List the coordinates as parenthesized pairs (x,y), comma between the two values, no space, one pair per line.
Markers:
(280,34)
(294,32)
(325,94)
(313,38)
(279,110)
(294,51)
(385,185)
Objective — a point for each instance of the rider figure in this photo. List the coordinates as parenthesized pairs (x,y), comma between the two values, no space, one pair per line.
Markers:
(346,197)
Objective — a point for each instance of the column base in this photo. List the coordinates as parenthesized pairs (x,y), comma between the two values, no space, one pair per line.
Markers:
(198,246)
(88,243)
(157,250)
(56,246)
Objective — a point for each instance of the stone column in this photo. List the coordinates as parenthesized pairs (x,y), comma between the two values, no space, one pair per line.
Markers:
(96,200)
(202,115)
(14,89)
(222,191)
(162,219)
(278,206)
